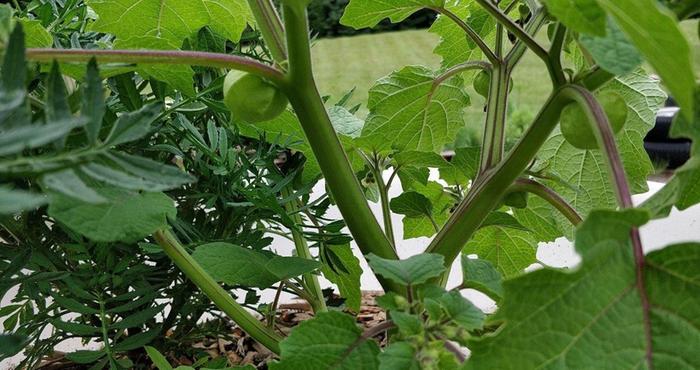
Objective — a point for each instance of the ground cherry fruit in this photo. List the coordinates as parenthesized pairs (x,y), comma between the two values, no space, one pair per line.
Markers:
(577,130)
(252,99)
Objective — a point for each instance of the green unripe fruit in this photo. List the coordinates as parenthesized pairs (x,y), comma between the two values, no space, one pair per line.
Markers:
(482,83)
(577,130)
(252,99)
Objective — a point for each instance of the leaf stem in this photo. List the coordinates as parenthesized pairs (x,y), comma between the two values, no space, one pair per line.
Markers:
(339,175)
(549,195)
(384,199)
(220,297)
(473,35)
(198,58)
(459,68)
(317,301)
(493,144)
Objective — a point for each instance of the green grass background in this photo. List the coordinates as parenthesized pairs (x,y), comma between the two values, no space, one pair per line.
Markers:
(344,63)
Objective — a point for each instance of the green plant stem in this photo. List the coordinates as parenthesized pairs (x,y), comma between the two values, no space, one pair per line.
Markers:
(105,335)
(533,26)
(194,58)
(550,196)
(493,144)
(318,303)
(494,183)
(473,35)
(555,53)
(270,26)
(221,298)
(340,178)
(463,67)
(386,210)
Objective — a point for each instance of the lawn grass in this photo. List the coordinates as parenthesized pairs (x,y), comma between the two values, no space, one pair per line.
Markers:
(346,62)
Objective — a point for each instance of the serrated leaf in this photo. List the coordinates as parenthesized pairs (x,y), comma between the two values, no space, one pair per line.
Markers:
(411,271)
(15,201)
(408,324)
(655,33)
(127,216)
(412,204)
(455,47)
(75,328)
(584,16)
(412,112)
(367,13)
(236,265)
(482,275)
(460,311)
(23,137)
(510,250)
(613,52)
(574,312)
(330,340)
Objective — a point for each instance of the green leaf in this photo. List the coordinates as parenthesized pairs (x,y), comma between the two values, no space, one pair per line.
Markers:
(586,181)
(411,111)
(408,324)
(172,20)
(92,104)
(367,13)
(68,183)
(19,138)
(411,271)
(127,216)
(36,35)
(412,204)
(574,312)
(75,328)
(509,250)
(236,265)
(137,319)
(85,357)
(399,356)
(328,341)
(584,16)
(503,219)
(138,340)
(347,276)
(482,275)
(613,52)
(345,123)
(178,76)
(133,125)
(137,173)
(11,344)
(15,201)
(158,359)
(454,46)
(414,227)
(654,31)
(73,305)
(461,311)
(542,220)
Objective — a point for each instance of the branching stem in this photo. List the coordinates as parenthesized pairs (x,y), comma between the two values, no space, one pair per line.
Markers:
(549,195)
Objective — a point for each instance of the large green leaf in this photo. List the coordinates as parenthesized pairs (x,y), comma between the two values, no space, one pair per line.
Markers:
(328,341)
(236,265)
(455,47)
(172,20)
(592,318)
(343,269)
(126,216)
(410,271)
(613,51)
(509,250)
(654,31)
(14,201)
(412,111)
(584,16)
(367,13)
(587,182)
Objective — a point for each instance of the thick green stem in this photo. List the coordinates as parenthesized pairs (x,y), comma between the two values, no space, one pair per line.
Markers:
(193,58)
(317,302)
(494,183)
(270,26)
(221,298)
(550,196)
(493,144)
(339,175)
